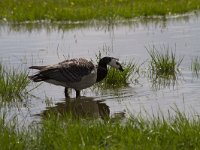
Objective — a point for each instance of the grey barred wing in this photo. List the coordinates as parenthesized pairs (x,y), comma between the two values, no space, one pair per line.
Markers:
(68,71)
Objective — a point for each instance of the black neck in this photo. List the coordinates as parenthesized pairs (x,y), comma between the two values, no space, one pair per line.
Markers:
(102,68)
(101,73)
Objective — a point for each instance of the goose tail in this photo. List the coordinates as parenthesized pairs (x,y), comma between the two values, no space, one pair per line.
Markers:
(37,78)
(37,67)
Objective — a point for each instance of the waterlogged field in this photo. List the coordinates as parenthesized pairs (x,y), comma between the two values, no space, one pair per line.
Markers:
(161,96)
(133,42)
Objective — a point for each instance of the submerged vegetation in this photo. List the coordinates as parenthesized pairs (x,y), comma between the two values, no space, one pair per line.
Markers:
(81,10)
(13,84)
(177,132)
(195,66)
(163,66)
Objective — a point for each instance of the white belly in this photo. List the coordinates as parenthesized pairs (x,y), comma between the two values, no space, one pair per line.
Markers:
(86,82)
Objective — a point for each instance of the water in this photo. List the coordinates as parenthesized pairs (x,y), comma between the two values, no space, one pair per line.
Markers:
(22,45)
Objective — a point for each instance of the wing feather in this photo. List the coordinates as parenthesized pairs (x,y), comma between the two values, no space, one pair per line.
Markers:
(68,71)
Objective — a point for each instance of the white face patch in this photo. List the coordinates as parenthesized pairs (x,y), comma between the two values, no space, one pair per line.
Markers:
(113,63)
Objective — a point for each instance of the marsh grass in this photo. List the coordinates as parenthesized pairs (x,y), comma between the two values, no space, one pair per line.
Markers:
(163,66)
(116,78)
(55,132)
(13,83)
(9,137)
(195,66)
(81,10)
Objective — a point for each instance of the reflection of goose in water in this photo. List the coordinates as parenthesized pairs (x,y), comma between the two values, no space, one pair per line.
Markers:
(83,107)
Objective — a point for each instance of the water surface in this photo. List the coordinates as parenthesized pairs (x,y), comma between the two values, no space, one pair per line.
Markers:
(25,45)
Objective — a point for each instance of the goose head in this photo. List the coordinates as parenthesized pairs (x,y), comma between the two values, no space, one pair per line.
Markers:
(111,61)
(115,64)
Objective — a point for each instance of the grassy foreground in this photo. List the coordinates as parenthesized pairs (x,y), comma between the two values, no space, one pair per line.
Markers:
(79,10)
(67,133)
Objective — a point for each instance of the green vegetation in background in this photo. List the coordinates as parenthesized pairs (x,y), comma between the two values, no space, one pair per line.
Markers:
(55,132)
(81,10)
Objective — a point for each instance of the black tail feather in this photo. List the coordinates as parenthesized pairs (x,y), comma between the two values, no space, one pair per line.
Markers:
(37,78)
(37,67)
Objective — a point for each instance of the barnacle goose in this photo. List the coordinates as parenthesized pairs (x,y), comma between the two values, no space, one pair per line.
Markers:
(77,73)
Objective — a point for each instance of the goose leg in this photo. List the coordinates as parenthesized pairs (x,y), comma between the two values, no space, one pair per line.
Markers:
(77,93)
(66,93)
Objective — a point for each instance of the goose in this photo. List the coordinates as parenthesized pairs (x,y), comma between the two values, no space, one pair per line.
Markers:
(77,73)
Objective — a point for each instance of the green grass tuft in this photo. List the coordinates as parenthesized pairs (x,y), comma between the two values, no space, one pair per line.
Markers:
(164,66)
(13,84)
(116,79)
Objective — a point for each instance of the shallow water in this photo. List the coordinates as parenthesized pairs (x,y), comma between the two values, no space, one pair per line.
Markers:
(49,44)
